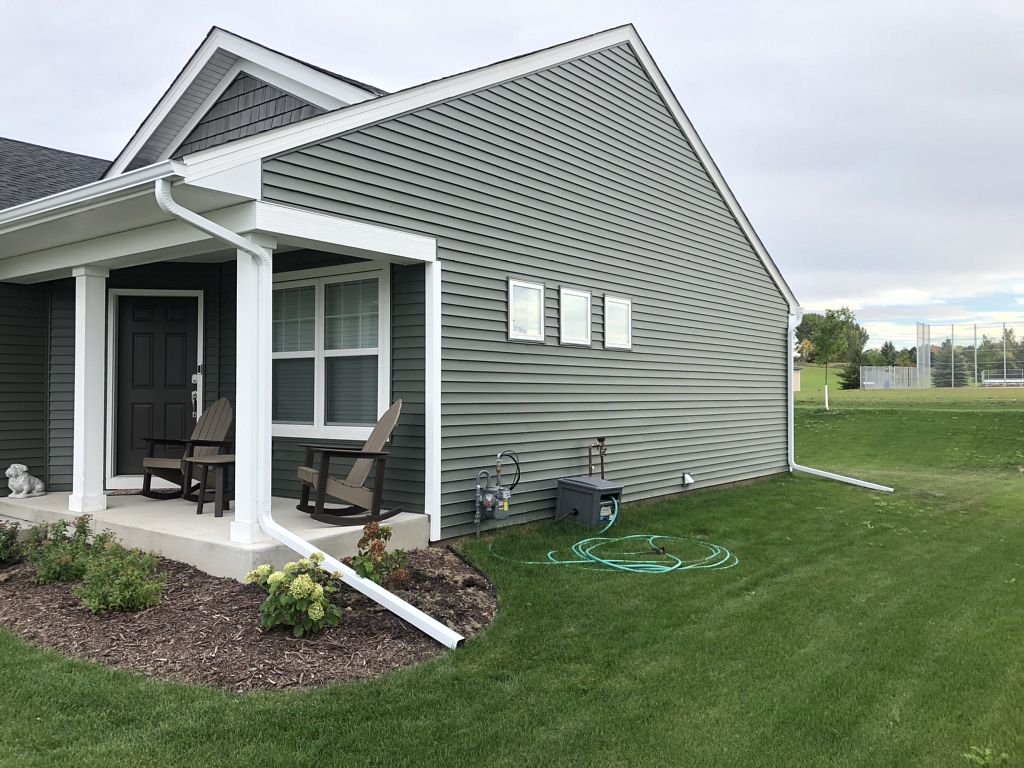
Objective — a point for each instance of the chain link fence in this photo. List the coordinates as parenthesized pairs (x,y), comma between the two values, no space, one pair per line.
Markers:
(957,355)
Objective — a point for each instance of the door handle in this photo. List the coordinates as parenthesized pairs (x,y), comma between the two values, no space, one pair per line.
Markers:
(195,403)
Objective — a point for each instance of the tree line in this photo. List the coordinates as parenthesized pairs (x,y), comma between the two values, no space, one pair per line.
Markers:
(835,337)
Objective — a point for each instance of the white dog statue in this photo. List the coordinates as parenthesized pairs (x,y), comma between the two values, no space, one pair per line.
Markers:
(22,484)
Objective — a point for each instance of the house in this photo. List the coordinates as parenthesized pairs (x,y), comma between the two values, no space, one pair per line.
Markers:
(531,255)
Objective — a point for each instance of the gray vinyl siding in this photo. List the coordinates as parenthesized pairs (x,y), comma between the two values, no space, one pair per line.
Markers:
(248,106)
(574,176)
(60,392)
(23,312)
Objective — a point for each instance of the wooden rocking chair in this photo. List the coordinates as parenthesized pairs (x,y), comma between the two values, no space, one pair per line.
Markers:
(207,438)
(361,504)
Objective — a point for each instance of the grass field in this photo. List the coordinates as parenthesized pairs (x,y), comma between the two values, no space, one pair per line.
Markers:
(859,629)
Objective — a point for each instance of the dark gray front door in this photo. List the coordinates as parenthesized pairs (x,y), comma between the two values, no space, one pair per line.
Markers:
(157,338)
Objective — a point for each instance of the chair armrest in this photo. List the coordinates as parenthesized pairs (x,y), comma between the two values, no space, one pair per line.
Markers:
(164,441)
(350,452)
(209,443)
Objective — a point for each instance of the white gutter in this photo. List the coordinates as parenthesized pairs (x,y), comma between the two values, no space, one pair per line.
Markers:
(91,192)
(427,624)
(794,320)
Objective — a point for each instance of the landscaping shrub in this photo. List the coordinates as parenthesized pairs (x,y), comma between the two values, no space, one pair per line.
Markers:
(373,562)
(120,579)
(10,548)
(60,552)
(299,596)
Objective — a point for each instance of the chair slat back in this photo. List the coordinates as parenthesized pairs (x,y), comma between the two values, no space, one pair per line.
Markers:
(375,443)
(213,424)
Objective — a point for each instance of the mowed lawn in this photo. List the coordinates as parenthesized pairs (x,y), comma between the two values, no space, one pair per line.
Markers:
(858,629)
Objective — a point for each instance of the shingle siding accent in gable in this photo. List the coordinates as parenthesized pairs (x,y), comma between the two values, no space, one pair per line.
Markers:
(248,106)
(574,176)
(23,312)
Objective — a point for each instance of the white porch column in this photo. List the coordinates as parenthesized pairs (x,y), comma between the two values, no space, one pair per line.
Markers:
(253,428)
(90,394)
(432,406)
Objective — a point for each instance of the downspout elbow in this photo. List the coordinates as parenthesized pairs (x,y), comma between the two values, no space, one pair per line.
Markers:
(166,202)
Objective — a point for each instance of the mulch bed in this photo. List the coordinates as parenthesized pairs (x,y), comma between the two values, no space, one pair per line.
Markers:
(206,630)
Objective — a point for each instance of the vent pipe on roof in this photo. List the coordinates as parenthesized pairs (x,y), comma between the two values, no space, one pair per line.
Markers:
(423,622)
(794,320)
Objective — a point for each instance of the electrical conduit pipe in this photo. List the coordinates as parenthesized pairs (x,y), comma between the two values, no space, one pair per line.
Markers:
(423,622)
(794,321)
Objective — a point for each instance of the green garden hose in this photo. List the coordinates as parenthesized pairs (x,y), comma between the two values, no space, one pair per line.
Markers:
(586,553)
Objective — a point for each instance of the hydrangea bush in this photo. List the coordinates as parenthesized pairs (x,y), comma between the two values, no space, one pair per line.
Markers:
(298,596)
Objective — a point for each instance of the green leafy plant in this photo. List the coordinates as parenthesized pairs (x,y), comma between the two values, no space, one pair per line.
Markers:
(374,562)
(120,579)
(298,596)
(59,551)
(10,547)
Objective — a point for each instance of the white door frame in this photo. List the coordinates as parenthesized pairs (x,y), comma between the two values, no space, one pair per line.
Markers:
(114,481)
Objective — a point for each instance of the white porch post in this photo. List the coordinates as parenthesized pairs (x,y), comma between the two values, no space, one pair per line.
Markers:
(253,428)
(90,394)
(432,390)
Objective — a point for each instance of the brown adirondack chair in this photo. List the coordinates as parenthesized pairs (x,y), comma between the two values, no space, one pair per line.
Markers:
(207,438)
(360,504)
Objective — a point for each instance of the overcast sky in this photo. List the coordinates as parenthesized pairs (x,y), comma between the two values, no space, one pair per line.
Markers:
(877,147)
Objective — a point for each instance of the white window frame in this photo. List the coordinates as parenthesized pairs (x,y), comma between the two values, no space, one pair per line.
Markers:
(512,334)
(563,337)
(319,279)
(628,303)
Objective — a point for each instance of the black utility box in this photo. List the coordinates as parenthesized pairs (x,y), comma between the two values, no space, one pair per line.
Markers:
(587,500)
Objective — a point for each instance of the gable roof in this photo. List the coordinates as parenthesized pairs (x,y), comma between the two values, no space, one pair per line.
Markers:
(30,171)
(339,121)
(214,66)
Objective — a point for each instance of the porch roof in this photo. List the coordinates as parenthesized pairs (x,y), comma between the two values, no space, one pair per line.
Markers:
(116,223)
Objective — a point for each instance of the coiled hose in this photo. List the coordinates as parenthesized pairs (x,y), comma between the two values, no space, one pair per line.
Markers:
(587,557)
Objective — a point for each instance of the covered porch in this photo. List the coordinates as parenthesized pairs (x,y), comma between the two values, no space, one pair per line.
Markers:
(173,529)
(124,244)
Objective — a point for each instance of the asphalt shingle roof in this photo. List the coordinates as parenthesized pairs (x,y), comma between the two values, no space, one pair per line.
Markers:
(29,171)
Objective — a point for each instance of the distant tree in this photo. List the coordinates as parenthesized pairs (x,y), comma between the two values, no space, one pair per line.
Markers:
(950,367)
(831,338)
(889,354)
(907,357)
(805,335)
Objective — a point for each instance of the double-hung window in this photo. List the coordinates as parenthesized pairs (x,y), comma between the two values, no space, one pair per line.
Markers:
(331,375)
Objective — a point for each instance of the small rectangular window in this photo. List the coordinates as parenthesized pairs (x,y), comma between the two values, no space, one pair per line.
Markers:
(618,323)
(525,311)
(574,313)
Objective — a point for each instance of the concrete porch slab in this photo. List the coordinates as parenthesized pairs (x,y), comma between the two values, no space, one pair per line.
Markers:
(173,529)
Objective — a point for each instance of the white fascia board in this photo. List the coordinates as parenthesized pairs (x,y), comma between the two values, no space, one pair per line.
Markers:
(331,124)
(709,164)
(301,227)
(299,79)
(244,180)
(86,196)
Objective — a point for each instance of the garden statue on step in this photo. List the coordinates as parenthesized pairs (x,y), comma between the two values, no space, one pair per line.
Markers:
(22,484)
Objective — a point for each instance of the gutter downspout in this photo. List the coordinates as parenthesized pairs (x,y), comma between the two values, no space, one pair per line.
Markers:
(427,624)
(794,320)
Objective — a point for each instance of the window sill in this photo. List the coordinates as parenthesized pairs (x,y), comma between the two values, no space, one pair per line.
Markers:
(310,432)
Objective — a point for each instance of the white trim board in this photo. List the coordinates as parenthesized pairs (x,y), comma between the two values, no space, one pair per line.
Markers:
(317,129)
(111,478)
